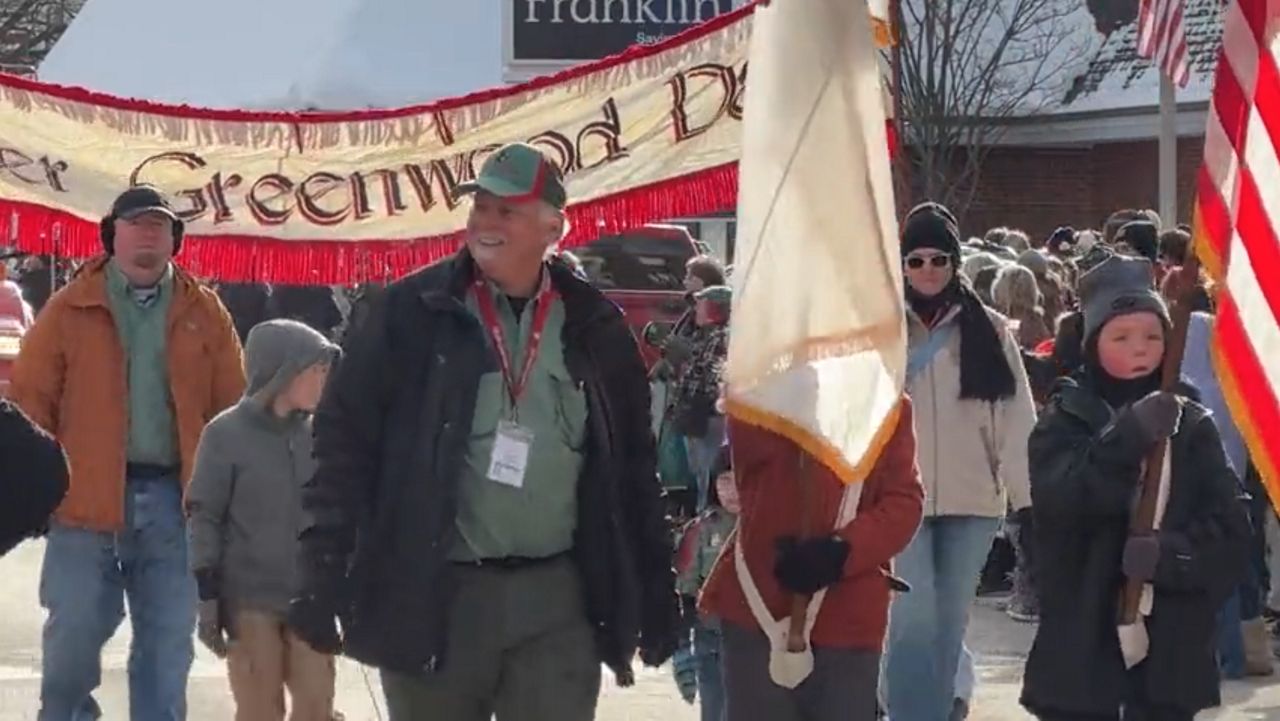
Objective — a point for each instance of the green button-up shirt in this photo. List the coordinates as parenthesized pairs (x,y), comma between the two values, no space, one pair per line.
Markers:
(141,316)
(539,518)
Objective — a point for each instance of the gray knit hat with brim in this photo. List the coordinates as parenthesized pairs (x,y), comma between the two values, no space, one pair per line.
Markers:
(1118,286)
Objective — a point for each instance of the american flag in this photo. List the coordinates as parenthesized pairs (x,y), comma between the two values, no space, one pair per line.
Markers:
(1237,225)
(1162,36)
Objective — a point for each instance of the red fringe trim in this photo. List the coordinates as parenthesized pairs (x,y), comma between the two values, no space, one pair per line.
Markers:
(45,231)
(633,53)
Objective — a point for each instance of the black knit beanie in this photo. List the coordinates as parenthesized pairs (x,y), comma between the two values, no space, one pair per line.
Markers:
(1141,235)
(931,225)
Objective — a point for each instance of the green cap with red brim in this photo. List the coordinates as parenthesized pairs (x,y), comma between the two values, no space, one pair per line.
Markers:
(518,172)
(721,295)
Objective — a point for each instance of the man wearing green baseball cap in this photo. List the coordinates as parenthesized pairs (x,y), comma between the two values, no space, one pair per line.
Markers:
(487,438)
(517,216)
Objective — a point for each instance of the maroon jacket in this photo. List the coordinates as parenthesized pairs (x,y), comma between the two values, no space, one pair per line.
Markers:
(856,610)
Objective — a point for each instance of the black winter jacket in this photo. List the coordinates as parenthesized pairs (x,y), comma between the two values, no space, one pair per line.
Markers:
(1084,474)
(391,435)
(33,477)
(247,303)
(313,305)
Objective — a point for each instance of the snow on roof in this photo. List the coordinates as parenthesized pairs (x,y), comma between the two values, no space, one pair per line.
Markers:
(1116,78)
(1005,56)
(283,54)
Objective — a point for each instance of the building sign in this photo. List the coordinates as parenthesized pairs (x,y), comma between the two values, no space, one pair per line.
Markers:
(571,31)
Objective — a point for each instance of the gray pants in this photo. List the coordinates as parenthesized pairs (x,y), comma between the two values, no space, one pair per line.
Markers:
(841,688)
(519,647)
(1273,561)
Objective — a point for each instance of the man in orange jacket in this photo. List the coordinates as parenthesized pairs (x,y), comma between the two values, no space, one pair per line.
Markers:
(852,563)
(124,366)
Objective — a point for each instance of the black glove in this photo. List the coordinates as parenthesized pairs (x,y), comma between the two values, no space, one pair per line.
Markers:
(1141,555)
(1148,421)
(804,567)
(315,621)
(660,627)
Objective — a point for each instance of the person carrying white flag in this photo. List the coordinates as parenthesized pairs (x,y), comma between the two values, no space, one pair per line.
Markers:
(821,432)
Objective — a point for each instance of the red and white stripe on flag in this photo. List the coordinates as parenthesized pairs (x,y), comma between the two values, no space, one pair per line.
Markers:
(1162,36)
(1237,225)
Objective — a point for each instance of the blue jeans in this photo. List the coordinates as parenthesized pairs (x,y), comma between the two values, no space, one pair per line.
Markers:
(1230,639)
(706,652)
(702,453)
(86,578)
(966,676)
(927,625)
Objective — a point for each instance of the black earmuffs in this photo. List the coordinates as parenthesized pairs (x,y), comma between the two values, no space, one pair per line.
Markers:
(107,231)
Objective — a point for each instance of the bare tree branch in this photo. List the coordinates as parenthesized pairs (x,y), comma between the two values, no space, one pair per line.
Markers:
(966,68)
(29,28)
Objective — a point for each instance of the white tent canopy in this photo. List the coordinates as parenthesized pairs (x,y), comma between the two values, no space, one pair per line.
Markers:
(281,54)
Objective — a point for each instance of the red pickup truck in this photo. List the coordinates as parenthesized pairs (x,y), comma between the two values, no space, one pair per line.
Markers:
(642,270)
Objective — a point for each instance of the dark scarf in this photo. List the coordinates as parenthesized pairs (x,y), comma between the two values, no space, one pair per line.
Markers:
(984,371)
(1116,392)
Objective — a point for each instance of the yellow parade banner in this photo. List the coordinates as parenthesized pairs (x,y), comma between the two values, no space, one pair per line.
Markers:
(649,134)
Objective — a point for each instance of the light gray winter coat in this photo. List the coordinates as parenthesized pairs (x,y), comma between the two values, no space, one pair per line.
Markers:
(244,498)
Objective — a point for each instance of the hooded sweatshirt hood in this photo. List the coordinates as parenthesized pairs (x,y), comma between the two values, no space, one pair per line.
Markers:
(277,351)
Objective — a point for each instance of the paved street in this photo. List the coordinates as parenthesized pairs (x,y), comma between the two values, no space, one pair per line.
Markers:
(999,643)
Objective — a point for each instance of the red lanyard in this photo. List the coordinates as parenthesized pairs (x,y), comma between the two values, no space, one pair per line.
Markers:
(543,301)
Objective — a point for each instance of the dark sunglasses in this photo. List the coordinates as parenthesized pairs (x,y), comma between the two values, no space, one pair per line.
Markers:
(937,261)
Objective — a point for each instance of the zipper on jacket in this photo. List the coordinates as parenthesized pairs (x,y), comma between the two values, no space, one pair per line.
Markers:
(933,398)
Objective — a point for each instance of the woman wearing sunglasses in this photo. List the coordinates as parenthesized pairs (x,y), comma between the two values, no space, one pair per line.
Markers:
(973,415)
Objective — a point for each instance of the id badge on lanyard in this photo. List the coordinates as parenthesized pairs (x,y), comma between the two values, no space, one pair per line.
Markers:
(512,442)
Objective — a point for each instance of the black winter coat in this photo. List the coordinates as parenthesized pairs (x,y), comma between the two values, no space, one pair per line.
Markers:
(391,436)
(1084,474)
(33,476)
(247,303)
(313,305)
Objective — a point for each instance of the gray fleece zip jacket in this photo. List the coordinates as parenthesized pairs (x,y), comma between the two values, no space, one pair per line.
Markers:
(244,501)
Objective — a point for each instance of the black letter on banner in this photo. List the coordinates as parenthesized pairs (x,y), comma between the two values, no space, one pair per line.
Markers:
(191,161)
(735,105)
(14,160)
(566,156)
(309,196)
(51,170)
(359,196)
(391,192)
(720,75)
(218,197)
(258,206)
(609,131)
(438,173)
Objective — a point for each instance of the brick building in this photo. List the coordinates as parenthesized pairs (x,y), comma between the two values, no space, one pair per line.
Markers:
(1096,151)
(1039,188)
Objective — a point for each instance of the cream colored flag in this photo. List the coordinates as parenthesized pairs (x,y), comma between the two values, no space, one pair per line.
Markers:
(881,23)
(817,345)
(818,341)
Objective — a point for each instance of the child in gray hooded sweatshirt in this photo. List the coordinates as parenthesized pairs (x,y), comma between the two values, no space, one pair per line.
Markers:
(245,515)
